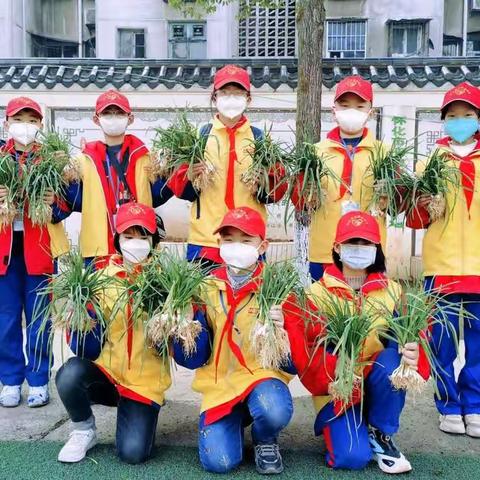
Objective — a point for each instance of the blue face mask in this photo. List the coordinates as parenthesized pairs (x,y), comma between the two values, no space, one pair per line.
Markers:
(461,129)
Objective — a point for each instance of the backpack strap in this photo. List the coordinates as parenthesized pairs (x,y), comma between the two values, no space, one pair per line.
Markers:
(257,133)
(205,130)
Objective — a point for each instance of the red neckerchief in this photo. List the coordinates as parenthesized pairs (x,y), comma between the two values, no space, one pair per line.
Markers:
(124,275)
(234,298)
(348,153)
(97,151)
(467,169)
(374,281)
(232,158)
(9,147)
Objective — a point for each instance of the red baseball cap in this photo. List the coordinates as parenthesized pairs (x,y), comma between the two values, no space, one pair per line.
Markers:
(357,85)
(357,225)
(112,97)
(231,74)
(22,103)
(136,214)
(463,92)
(245,219)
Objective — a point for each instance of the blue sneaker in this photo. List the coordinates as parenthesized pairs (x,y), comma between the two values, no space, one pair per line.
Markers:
(38,396)
(268,459)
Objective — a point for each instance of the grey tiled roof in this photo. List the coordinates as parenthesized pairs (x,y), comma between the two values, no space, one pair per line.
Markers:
(49,72)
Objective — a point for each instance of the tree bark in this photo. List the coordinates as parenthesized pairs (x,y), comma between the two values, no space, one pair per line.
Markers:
(310,26)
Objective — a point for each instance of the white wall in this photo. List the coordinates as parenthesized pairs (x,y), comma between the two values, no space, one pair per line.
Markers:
(153,16)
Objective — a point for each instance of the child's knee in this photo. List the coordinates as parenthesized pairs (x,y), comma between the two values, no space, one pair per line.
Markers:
(219,461)
(69,373)
(355,458)
(278,416)
(132,451)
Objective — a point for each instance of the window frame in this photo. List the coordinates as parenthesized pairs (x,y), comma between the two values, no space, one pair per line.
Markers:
(188,40)
(134,31)
(422,35)
(345,20)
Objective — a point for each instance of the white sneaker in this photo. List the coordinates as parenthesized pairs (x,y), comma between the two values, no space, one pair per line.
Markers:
(38,396)
(473,425)
(389,458)
(452,424)
(11,396)
(79,443)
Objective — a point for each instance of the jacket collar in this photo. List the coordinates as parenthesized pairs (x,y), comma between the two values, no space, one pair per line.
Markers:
(334,280)
(218,125)
(368,140)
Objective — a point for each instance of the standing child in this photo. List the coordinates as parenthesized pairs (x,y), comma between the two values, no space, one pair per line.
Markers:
(112,172)
(27,254)
(236,390)
(451,262)
(229,143)
(354,437)
(114,367)
(346,151)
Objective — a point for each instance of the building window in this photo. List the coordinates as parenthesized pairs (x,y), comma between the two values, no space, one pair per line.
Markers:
(47,47)
(452,46)
(346,38)
(408,39)
(475,5)
(131,43)
(267,32)
(187,40)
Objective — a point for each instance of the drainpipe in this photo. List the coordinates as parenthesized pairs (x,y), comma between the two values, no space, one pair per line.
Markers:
(465,27)
(80,27)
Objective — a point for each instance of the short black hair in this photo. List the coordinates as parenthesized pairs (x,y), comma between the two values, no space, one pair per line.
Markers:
(377,267)
(443,111)
(157,237)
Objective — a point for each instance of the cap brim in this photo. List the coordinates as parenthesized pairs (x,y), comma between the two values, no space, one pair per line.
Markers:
(242,229)
(368,238)
(363,97)
(121,107)
(13,112)
(459,100)
(227,81)
(133,223)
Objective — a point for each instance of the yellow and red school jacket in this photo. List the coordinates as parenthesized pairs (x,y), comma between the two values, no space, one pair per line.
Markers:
(41,244)
(450,251)
(315,366)
(97,198)
(232,370)
(229,151)
(121,351)
(351,182)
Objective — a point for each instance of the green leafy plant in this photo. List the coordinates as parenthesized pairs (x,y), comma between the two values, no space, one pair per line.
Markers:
(269,341)
(180,144)
(10,179)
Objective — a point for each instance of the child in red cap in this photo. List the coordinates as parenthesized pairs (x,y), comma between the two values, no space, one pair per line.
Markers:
(236,390)
(355,434)
(451,261)
(230,136)
(112,172)
(346,151)
(114,367)
(27,254)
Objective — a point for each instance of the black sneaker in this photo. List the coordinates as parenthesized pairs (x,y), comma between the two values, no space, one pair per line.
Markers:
(389,458)
(268,459)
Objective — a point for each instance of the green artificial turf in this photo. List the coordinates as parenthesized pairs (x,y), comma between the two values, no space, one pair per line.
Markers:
(37,461)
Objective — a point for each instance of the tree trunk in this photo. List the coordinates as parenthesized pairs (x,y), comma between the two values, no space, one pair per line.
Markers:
(310,26)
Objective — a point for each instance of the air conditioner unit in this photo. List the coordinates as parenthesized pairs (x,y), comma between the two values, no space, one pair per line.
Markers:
(90,17)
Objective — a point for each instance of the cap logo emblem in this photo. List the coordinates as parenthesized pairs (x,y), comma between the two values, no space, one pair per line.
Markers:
(352,82)
(461,90)
(135,210)
(111,95)
(357,221)
(232,70)
(239,213)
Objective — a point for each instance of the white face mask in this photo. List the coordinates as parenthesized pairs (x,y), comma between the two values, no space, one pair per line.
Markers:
(113,125)
(358,257)
(231,106)
(134,250)
(22,132)
(351,120)
(238,255)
